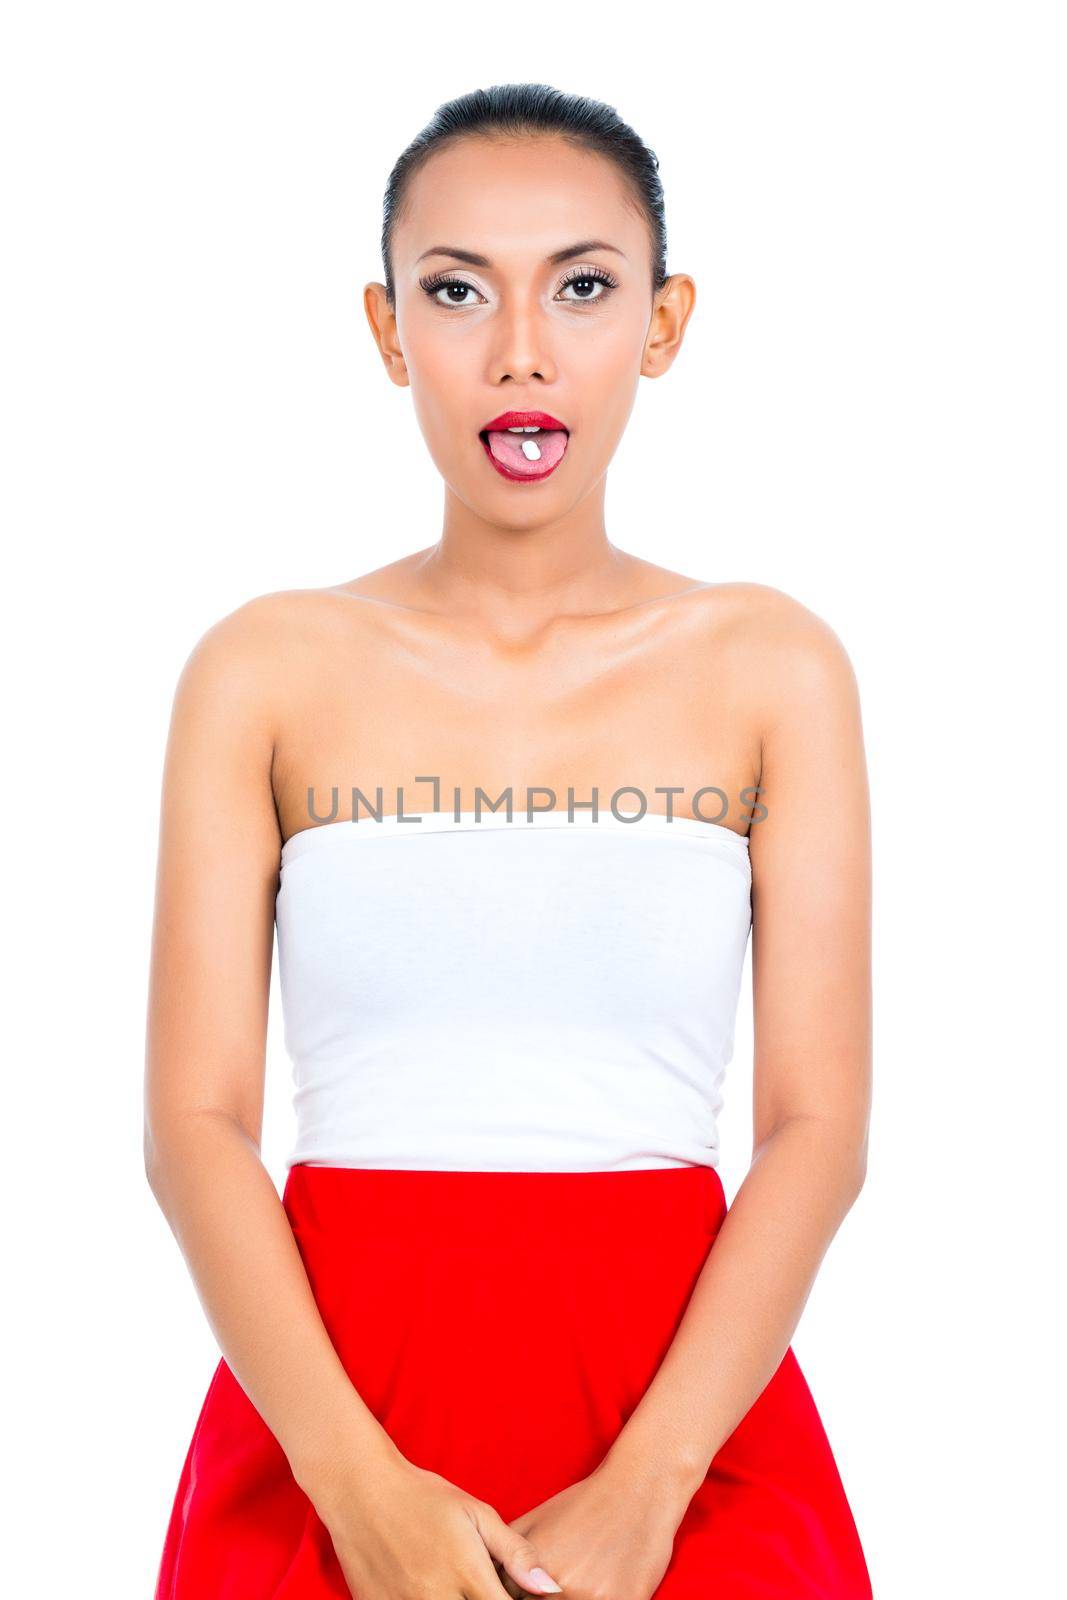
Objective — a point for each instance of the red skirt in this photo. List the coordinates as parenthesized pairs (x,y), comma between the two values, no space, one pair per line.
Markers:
(409,1270)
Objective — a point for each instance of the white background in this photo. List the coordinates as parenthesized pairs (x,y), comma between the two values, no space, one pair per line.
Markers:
(868,413)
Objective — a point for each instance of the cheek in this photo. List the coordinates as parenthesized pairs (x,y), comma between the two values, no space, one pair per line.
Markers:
(436,362)
(606,383)
(438,390)
(428,365)
(609,354)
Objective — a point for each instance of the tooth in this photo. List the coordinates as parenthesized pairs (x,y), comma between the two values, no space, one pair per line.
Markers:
(531,450)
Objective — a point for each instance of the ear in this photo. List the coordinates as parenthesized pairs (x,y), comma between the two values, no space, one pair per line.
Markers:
(382,321)
(671,310)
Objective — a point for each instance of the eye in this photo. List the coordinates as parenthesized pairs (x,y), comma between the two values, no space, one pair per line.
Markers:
(583,279)
(441,281)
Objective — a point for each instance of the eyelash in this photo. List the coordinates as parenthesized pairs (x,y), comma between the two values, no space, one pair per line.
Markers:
(444,280)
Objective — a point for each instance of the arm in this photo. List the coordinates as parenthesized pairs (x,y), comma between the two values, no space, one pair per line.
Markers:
(813,1069)
(212,943)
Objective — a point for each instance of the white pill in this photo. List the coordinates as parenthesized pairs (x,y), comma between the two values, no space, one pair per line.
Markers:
(531,449)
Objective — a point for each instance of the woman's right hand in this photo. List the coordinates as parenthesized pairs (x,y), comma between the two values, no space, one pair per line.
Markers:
(403,1533)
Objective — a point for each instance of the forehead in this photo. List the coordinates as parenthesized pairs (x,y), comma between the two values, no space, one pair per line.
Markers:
(516,199)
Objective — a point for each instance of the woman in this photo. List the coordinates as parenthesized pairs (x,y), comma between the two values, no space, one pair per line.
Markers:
(484,1341)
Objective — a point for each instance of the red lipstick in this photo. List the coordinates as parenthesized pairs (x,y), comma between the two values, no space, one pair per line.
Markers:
(525,419)
(503,444)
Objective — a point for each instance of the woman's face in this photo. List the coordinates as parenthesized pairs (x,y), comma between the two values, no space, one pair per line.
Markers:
(523,284)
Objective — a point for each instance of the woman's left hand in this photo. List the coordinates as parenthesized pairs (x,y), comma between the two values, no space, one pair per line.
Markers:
(609,1536)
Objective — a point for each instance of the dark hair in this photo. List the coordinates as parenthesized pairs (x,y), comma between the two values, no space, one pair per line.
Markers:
(514,109)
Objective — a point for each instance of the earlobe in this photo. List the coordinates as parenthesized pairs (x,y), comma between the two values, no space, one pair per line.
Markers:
(395,365)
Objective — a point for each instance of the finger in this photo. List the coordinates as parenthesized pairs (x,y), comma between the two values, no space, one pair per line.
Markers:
(485,1580)
(515,1590)
(516,1555)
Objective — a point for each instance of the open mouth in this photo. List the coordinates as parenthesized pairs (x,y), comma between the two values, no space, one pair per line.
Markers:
(525,446)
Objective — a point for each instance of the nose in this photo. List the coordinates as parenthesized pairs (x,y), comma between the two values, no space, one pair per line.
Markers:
(521,348)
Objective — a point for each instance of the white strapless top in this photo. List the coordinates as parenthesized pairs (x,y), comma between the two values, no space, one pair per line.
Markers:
(543,994)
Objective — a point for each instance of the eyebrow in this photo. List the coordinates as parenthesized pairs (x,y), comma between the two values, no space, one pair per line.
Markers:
(583,247)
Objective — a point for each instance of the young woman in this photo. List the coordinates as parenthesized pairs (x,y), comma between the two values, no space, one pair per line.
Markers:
(514,803)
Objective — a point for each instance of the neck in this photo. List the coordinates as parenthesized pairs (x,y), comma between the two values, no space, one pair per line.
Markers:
(523,574)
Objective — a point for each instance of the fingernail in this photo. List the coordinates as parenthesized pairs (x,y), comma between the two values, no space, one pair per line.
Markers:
(543,1583)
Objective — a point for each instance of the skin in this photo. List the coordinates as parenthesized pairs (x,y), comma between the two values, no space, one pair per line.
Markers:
(521,648)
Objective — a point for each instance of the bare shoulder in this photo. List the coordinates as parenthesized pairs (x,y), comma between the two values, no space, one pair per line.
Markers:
(787,652)
(268,621)
(759,614)
(256,657)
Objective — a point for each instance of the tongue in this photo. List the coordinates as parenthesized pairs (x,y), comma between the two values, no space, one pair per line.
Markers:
(507,449)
